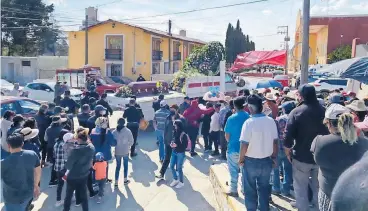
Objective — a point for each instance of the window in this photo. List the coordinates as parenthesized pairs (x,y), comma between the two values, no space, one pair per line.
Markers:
(176,46)
(156,68)
(8,106)
(114,42)
(175,67)
(45,87)
(114,70)
(26,63)
(34,86)
(29,106)
(166,68)
(156,44)
(228,78)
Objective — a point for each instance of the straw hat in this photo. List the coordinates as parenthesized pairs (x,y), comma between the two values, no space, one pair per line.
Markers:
(270,96)
(29,133)
(357,105)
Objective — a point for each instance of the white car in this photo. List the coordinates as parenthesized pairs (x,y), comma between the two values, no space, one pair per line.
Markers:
(7,87)
(44,91)
(326,85)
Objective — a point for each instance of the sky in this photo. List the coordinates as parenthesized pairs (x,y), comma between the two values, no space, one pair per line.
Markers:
(259,20)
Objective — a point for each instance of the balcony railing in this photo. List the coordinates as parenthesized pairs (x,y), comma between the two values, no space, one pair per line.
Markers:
(113,54)
(176,56)
(156,55)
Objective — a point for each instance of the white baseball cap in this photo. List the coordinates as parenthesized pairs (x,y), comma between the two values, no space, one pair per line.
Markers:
(335,110)
(68,136)
(163,103)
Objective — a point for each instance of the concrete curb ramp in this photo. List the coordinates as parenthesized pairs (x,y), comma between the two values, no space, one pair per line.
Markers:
(219,174)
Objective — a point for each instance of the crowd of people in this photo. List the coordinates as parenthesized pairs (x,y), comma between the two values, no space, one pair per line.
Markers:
(275,142)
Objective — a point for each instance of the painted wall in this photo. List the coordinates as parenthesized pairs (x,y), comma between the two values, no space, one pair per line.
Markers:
(96,49)
(321,51)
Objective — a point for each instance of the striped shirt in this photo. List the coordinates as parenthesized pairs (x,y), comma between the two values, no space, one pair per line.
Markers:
(160,118)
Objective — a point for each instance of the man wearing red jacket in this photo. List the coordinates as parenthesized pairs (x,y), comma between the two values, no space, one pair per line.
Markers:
(192,115)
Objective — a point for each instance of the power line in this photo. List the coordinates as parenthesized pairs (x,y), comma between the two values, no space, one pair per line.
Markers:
(196,10)
(34,19)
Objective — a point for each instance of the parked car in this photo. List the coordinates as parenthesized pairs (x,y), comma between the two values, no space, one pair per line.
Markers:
(20,105)
(44,91)
(326,85)
(6,87)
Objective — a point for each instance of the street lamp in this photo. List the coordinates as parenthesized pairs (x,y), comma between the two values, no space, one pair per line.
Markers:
(341,36)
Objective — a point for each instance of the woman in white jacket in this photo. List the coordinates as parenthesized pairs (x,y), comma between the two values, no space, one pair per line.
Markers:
(6,123)
(124,139)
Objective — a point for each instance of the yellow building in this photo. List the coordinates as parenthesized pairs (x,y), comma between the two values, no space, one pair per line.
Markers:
(122,49)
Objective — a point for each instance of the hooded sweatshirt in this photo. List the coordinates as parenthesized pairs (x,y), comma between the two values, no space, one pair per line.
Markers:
(194,113)
(124,140)
(304,123)
(5,126)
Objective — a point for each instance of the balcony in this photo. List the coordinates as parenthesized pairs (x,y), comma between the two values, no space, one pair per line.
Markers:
(156,55)
(113,54)
(177,56)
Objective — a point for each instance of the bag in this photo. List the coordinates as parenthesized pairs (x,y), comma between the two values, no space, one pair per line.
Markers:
(143,124)
(189,146)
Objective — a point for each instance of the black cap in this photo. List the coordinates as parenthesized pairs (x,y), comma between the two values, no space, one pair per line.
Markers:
(308,92)
(254,100)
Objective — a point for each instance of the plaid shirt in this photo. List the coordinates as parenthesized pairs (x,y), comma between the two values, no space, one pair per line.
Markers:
(59,155)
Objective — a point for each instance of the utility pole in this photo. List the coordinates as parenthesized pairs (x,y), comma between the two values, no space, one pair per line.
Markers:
(170,46)
(86,45)
(134,56)
(286,39)
(305,43)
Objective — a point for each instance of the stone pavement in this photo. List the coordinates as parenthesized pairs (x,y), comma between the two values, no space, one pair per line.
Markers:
(145,192)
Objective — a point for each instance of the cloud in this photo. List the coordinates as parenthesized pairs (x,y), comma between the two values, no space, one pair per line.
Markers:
(267,12)
(361,7)
(334,6)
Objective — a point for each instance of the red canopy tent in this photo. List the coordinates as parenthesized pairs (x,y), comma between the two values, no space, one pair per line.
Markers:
(251,58)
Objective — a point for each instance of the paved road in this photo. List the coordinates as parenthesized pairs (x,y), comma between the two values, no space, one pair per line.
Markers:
(145,192)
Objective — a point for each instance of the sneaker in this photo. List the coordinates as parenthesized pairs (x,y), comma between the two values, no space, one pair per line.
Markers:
(193,154)
(233,194)
(93,194)
(59,203)
(159,176)
(126,182)
(77,205)
(179,185)
(215,153)
(52,184)
(174,183)
(109,180)
(293,204)
(99,199)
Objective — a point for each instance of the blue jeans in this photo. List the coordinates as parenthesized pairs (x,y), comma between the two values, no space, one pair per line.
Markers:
(177,159)
(118,166)
(18,207)
(286,167)
(232,163)
(161,144)
(256,182)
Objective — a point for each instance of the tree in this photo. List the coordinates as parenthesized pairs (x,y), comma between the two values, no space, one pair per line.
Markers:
(340,53)
(26,27)
(236,42)
(205,59)
(62,48)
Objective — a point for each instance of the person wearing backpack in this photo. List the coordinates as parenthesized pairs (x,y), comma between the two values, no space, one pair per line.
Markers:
(178,145)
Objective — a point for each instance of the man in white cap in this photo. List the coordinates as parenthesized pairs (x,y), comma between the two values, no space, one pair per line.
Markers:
(159,125)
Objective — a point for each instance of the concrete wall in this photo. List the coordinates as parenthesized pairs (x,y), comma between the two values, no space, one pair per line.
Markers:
(20,70)
(48,64)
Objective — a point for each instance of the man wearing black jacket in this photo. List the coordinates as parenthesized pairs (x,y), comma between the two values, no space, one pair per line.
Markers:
(133,115)
(104,103)
(84,116)
(304,123)
(69,103)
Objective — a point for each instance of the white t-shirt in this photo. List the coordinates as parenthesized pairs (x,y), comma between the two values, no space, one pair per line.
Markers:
(215,122)
(259,132)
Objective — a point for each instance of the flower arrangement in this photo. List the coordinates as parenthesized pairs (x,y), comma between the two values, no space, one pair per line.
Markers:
(124,92)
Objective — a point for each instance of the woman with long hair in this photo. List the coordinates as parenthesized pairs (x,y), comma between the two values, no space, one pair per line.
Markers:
(336,152)
(43,121)
(124,140)
(179,145)
(18,121)
(102,139)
